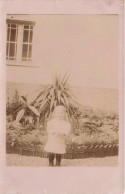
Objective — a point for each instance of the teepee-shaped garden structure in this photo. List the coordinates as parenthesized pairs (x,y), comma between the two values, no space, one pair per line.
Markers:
(52,95)
(57,93)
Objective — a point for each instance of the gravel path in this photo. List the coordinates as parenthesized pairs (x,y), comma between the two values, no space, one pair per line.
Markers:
(19,160)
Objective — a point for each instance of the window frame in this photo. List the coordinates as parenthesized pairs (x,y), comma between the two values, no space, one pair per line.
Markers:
(19,42)
(27,43)
(10,42)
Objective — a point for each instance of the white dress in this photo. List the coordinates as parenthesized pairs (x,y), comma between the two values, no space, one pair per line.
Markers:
(57,131)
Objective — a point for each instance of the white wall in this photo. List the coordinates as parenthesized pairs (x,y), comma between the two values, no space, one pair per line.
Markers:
(86,46)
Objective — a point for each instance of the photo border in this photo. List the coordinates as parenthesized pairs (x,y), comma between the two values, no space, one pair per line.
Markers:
(64,179)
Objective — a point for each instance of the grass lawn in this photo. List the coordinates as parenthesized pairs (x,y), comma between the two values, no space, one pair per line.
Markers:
(19,160)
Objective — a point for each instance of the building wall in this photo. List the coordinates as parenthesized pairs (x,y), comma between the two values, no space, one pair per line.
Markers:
(85,46)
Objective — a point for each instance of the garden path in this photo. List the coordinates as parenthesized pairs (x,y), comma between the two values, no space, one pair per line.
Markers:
(19,160)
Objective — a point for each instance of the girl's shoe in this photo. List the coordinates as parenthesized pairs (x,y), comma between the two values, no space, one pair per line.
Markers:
(51,164)
(57,163)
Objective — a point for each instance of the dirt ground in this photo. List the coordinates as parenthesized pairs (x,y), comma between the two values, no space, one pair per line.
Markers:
(19,160)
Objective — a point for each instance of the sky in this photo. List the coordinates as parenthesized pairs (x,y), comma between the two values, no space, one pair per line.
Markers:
(84,46)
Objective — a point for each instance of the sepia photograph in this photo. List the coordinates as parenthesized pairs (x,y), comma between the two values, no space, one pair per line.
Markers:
(62,90)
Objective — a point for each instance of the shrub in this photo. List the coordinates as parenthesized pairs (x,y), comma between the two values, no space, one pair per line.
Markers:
(13,106)
(89,127)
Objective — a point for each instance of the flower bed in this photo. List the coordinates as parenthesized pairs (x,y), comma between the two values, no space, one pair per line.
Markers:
(77,146)
(96,137)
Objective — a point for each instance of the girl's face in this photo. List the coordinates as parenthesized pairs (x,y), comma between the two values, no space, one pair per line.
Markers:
(61,117)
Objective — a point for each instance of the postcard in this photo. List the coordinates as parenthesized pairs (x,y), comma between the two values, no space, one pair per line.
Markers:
(61,97)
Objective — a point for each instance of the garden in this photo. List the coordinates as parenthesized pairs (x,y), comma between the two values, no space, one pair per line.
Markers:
(94,133)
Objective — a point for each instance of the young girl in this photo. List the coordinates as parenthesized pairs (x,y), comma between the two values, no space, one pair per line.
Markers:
(57,129)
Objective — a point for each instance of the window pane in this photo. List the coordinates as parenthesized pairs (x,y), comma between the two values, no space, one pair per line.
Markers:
(31,36)
(25,50)
(26,27)
(12,49)
(13,35)
(30,51)
(13,25)
(25,36)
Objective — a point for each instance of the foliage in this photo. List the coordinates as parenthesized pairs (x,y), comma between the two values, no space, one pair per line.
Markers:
(21,111)
(24,135)
(58,93)
(90,127)
(27,107)
(96,131)
(13,107)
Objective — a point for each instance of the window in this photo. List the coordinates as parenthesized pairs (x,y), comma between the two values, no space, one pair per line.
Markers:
(27,43)
(11,47)
(19,41)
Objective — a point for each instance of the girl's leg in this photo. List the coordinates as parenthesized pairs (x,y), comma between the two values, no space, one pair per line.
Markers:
(58,159)
(51,159)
